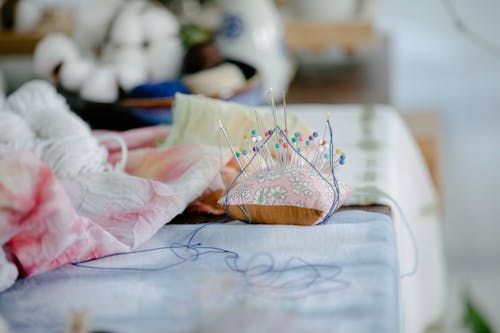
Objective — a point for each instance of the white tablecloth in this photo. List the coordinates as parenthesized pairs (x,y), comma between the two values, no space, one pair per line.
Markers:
(382,156)
(339,277)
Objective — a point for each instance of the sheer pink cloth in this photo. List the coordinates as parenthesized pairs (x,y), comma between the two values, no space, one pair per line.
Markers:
(46,222)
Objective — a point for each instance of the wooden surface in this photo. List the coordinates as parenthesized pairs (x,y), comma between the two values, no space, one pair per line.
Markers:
(425,127)
(349,29)
(317,36)
(359,78)
(382,209)
(53,20)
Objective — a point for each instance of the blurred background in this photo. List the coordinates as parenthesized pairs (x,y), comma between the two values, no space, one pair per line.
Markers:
(436,61)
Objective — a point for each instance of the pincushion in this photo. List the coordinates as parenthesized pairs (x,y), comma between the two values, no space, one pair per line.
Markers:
(285,178)
(291,195)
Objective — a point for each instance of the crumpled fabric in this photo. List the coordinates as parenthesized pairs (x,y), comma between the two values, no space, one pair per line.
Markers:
(46,222)
(136,138)
(146,159)
(8,273)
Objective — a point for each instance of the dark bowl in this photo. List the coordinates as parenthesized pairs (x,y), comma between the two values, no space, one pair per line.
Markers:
(129,113)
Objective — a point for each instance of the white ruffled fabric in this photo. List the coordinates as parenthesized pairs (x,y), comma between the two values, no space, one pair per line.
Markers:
(8,273)
(40,121)
(53,190)
(35,96)
(14,131)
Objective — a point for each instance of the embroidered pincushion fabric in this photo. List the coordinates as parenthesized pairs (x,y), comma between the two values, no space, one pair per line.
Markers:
(295,195)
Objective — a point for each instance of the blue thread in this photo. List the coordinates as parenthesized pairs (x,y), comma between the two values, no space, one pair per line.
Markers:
(406,224)
(197,250)
(261,271)
(258,275)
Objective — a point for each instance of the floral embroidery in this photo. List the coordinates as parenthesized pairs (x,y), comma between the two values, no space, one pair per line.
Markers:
(275,193)
(259,198)
(305,188)
(273,174)
(261,177)
(245,194)
(293,175)
(298,186)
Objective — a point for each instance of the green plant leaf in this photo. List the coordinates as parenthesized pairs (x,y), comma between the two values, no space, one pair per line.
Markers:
(473,319)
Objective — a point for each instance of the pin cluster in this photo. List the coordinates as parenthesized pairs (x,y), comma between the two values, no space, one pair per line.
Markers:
(277,148)
(283,149)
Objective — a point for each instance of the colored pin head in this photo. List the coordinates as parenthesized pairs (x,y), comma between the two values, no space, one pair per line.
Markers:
(297,134)
(342,159)
(254,132)
(237,154)
(244,152)
(315,134)
(308,143)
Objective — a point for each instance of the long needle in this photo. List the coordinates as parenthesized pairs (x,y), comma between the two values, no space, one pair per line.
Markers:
(260,145)
(228,141)
(284,113)
(273,107)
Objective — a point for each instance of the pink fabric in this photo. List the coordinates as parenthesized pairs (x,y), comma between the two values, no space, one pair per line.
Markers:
(137,138)
(46,222)
(39,225)
(144,161)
